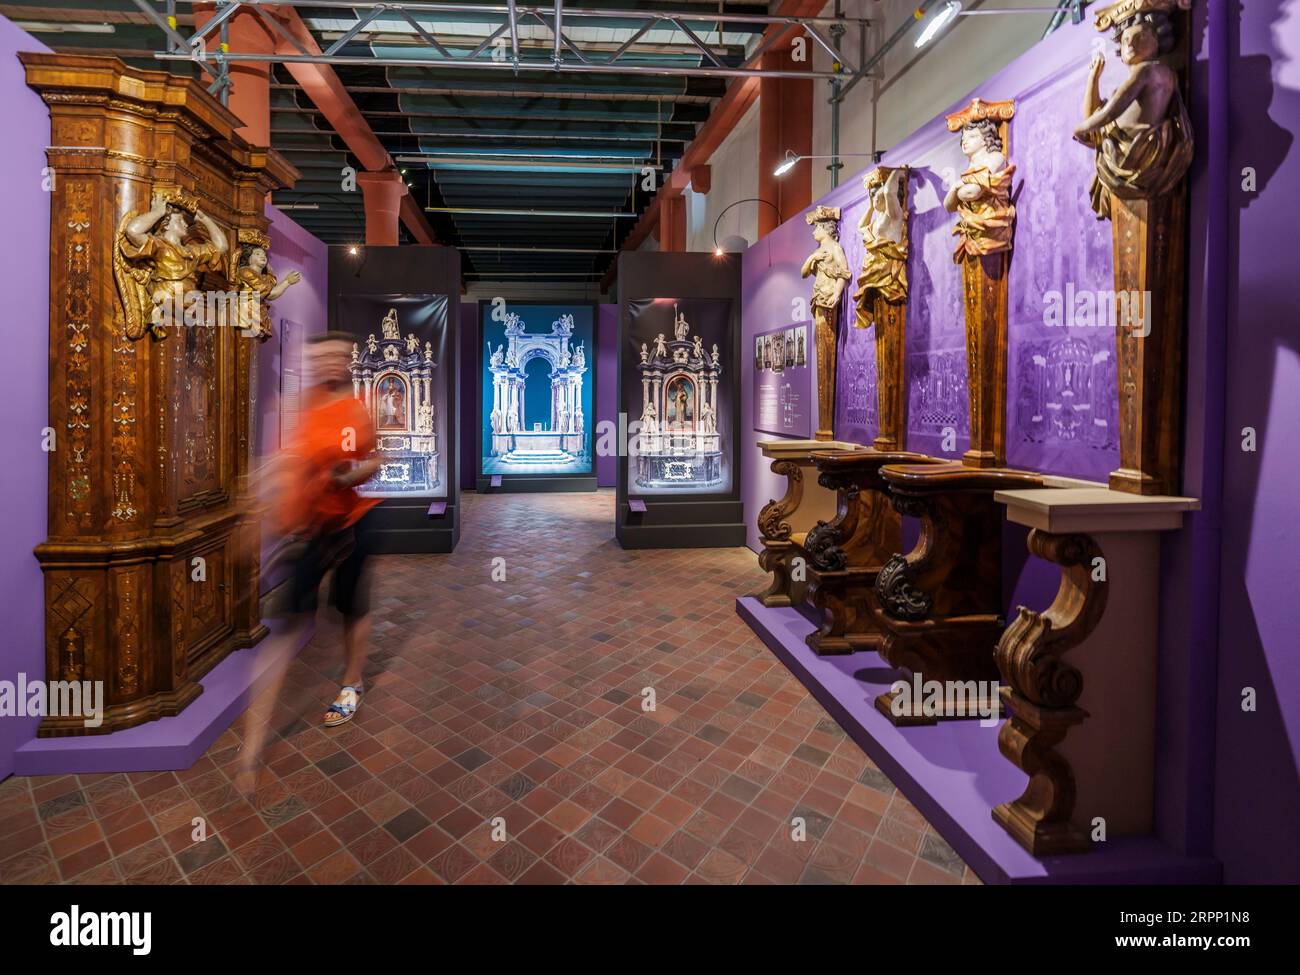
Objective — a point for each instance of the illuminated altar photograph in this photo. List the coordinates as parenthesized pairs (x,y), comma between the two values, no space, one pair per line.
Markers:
(676,353)
(397,372)
(537,389)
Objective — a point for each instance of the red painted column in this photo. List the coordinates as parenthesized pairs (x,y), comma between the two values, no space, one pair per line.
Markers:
(383,192)
(785,108)
(250,82)
(672,223)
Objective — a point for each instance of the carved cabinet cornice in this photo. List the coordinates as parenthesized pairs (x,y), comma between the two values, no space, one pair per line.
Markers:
(151,559)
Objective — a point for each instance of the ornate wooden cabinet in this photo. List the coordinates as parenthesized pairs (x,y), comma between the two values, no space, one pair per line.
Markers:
(151,563)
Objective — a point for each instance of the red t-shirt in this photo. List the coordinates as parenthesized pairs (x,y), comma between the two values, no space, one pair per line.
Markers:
(332,434)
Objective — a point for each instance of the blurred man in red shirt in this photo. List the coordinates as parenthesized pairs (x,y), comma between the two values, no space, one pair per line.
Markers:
(316,502)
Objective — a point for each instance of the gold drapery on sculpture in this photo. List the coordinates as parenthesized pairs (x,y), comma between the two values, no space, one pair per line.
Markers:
(154,277)
(884,269)
(985,224)
(884,258)
(1140,165)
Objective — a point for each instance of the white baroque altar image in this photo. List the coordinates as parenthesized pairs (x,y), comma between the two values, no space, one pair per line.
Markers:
(554,443)
(393,376)
(678,445)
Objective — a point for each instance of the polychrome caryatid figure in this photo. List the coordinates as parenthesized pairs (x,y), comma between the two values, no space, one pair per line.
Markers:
(830,269)
(1141,133)
(258,286)
(158,258)
(884,241)
(982,199)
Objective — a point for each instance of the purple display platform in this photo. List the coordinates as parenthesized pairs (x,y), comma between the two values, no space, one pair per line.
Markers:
(953,773)
(168,744)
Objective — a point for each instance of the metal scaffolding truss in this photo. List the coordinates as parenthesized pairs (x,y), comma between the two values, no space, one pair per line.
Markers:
(501,49)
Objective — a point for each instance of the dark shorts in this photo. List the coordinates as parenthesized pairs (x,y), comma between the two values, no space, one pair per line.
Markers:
(345,553)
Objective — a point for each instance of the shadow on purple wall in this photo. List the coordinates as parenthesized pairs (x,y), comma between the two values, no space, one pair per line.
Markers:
(1257,787)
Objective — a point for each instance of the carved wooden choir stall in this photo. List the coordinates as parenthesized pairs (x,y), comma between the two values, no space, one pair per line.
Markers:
(158,283)
(937,610)
(1106,544)
(940,605)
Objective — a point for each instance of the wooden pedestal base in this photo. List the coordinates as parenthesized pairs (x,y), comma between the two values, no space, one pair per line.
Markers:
(939,607)
(783,521)
(1104,615)
(844,555)
(1040,819)
(913,713)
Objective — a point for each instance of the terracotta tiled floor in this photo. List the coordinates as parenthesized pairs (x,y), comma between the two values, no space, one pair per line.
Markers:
(521,700)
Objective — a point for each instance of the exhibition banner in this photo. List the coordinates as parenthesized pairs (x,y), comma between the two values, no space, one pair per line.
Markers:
(783,382)
(399,372)
(536,388)
(673,357)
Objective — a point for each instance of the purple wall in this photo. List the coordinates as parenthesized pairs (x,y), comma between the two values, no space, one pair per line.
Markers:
(25,282)
(1257,788)
(297,313)
(1053,173)
(303,305)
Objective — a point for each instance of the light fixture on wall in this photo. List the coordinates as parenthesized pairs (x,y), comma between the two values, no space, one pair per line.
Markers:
(787,163)
(736,244)
(941,19)
(790,159)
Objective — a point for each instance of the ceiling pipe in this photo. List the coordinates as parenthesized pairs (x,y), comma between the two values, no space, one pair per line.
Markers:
(704,16)
(555,29)
(493,212)
(571,67)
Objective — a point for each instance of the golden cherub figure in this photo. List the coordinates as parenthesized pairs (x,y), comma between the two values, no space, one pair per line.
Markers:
(157,260)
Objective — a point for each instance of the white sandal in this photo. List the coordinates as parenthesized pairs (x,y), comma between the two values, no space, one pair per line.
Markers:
(344,706)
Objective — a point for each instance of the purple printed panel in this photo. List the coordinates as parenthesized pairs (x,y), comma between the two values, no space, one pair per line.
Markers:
(784,397)
(1062,402)
(855,366)
(855,395)
(938,409)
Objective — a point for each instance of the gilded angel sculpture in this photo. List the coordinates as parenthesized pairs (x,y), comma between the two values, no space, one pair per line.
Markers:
(157,260)
(258,287)
(831,270)
(1142,134)
(884,241)
(982,200)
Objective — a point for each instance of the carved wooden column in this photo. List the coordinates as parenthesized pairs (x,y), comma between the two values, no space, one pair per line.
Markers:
(783,523)
(1083,728)
(1140,185)
(830,271)
(891,384)
(940,606)
(150,472)
(984,286)
(1149,237)
(844,555)
(881,296)
(985,228)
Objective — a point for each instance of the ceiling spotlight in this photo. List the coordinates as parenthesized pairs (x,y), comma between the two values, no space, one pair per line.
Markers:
(787,163)
(353,250)
(942,17)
